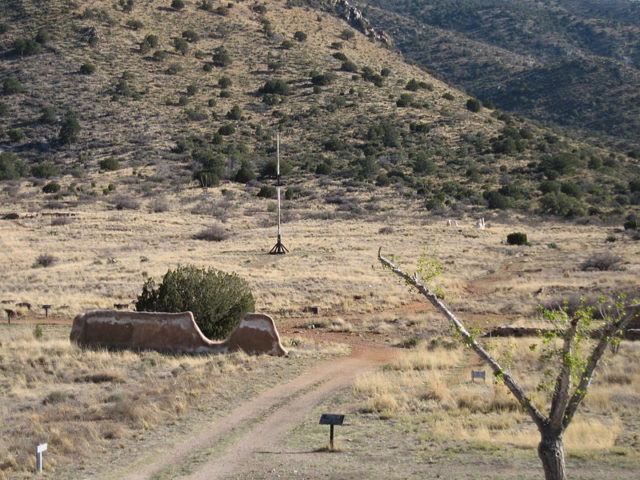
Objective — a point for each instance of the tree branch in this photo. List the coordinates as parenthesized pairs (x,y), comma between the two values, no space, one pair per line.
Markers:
(563,382)
(610,332)
(537,416)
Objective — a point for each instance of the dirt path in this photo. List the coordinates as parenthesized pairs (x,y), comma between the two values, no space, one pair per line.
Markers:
(258,424)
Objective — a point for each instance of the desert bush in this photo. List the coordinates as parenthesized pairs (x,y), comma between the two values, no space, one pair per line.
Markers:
(207,178)
(225,94)
(159,205)
(217,299)
(192,89)
(70,129)
(126,5)
(177,4)
(44,170)
(206,5)
(275,86)
(12,85)
(474,105)
(517,238)
(602,262)
(110,164)
(4,28)
(286,44)
(181,45)
(227,129)
(197,114)
(87,68)
(270,168)
(324,168)
(135,24)
(191,35)
(235,113)
(347,34)
(267,191)
(4,109)
(245,173)
(125,202)
(160,56)
(51,187)
(24,47)
(16,135)
(224,82)
(11,167)
(558,203)
(174,69)
(214,233)
(300,36)
(340,56)
(45,260)
(405,100)
(221,57)
(348,66)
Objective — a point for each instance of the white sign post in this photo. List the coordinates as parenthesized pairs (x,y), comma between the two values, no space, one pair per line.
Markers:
(39,449)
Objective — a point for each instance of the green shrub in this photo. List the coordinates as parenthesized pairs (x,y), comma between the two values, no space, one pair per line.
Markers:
(190,35)
(44,170)
(558,203)
(26,47)
(224,82)
(174,68)
(225,94)
(37,331)
(12,85)
(4,109)
(126,5)
(4,28)
(160,56)
(49,115)
(348,66)
(448,96)
(517,238)
(197,114)
(276,86)
(286,44)
(181,45)
(300,36)
(221,57)
(87,68)
(218,300)
(496,200)
(227,129)
(177,4)
(323,79)
(110,164)
(51,187)
(11,168)
(267,191)
(405,100)
(16,135)
(385,72)
(347,34)
(474,105)
(382,180)
(152,40)
(340,56)
(245,173)
(70,129)
(323,169)
(235,113)
(206,178)
(269,169)
(135,24)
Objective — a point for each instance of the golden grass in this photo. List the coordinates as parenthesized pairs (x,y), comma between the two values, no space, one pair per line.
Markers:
(79,400)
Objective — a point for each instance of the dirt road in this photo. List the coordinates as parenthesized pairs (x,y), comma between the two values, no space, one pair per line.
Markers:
(229,443)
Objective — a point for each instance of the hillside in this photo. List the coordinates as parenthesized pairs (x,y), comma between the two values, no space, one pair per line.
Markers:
(571,62)
(164,96)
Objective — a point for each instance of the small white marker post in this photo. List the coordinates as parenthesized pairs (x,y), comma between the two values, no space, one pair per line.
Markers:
(39,449)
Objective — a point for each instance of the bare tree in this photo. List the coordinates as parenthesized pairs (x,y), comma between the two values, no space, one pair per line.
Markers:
(574,373)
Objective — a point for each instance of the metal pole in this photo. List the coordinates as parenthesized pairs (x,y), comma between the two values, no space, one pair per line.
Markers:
(331,438)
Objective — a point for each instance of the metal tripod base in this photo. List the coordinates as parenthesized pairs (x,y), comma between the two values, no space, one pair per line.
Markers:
(278,248)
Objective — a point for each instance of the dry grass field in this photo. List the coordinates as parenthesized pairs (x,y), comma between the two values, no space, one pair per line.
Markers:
(102,256)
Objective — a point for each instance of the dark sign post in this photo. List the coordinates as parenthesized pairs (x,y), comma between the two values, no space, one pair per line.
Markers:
(331,419)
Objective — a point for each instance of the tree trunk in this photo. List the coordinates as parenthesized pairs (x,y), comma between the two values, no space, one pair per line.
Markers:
(551,453)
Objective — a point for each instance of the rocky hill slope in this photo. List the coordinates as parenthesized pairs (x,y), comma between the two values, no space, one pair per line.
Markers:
(195,91)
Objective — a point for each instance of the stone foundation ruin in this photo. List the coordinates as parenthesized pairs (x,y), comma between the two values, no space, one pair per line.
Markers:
(172,332)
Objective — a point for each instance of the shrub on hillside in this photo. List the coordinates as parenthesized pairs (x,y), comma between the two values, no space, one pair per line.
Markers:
(87,68)
(70,129)
(217,299)
(11,167)
(474,105)
(177,4)
(558,203)
(224,82)
(602,262)
(24,47)
(214,233)
(245,173)
(110,164)
(51,187)
(181,45)
(300,36)
(45,260)
(44,170)
(12,85)
(517,238)
(191,35)
(276,86)
(16,135)
(269,169)
(267,191)
(221,57)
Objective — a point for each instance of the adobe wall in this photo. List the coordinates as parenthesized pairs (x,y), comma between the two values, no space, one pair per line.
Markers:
(172,332)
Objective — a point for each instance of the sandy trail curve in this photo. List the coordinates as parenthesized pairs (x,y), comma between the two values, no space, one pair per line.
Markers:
(266,418)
